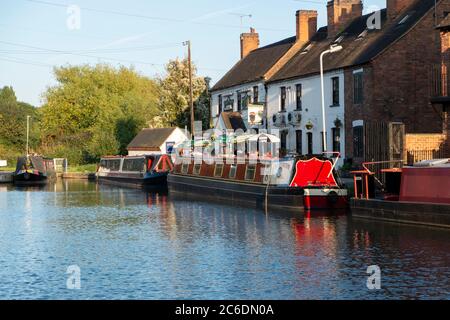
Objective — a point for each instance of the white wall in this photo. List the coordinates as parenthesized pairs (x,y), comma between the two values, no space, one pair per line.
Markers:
(233,93)
(177,136)
(311,110)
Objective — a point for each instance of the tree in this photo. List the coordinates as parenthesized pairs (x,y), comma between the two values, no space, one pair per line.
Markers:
(174,98)
(13,115)
(85,113)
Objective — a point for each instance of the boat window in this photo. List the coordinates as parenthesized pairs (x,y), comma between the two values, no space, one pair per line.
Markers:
(185,168)
(197,168)
(250,172)
(133,165)
(112,165)
(218,171)
(233,170)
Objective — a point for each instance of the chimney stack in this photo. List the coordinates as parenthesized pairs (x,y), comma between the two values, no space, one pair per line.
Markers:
(249,42)
(341,13)
(306,25)
(396,7)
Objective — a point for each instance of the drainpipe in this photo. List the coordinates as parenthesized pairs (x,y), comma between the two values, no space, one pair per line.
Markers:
(266,111)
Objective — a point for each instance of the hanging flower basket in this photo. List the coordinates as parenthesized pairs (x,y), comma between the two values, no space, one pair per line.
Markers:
(338,123)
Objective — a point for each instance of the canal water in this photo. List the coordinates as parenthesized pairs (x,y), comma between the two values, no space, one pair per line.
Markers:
(130,244)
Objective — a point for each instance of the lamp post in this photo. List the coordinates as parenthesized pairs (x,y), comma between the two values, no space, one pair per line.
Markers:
(332,49)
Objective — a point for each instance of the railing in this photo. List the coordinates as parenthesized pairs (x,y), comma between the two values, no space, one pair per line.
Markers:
(420,155)
(439,81)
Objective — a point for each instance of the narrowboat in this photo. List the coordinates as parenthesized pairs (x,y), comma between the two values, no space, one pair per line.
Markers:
(135,171)
(259,179)
(417,194)
(34,170)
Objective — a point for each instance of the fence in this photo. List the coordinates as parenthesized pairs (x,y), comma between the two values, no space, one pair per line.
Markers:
(60,165)
(425,147)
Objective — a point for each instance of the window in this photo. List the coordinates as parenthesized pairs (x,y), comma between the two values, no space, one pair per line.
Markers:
(220,104)
(358,141)
(133,165)
(218,171)
(239,101)
(233,170)
(245,100)
(323,139)
(358,87)
(197,168)
(250,172)
(310,142)
(335,85)
(336,139)
(284,140)
(112,165)
(255,94)
(229,103)
(185,168)
(298,94)
(283,99)
(169,147)
(298,141)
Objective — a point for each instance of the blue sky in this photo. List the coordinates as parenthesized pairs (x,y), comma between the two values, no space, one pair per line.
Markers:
(34,35)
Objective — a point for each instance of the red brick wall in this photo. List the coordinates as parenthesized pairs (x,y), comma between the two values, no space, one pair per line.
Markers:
(397,84)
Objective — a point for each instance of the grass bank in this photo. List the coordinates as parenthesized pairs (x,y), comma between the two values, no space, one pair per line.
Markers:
(86,168)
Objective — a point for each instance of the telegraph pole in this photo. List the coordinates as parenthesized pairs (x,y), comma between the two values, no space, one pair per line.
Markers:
(28,133)
(191,99)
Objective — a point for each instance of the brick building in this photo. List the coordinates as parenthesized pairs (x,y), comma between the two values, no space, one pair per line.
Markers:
(384,73)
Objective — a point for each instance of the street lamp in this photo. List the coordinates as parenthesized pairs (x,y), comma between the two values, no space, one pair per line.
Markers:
(332,49)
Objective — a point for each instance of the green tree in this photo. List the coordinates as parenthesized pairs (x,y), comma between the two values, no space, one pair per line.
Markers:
(85,112)
(174,97)
(13,115)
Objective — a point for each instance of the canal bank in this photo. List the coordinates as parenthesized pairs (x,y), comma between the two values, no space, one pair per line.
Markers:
(6,177)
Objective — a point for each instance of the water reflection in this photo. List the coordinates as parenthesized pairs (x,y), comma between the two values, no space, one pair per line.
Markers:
(154,245)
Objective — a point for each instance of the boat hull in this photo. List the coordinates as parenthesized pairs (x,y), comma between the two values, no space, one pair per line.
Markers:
(238,193)
(154,181)
(27,178)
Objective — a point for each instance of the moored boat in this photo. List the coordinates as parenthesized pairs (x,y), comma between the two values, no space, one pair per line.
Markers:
(34,170)
(135,171)
(263,181)
(418,194)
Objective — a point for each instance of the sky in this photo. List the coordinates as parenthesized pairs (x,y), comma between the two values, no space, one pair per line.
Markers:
(37,35)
